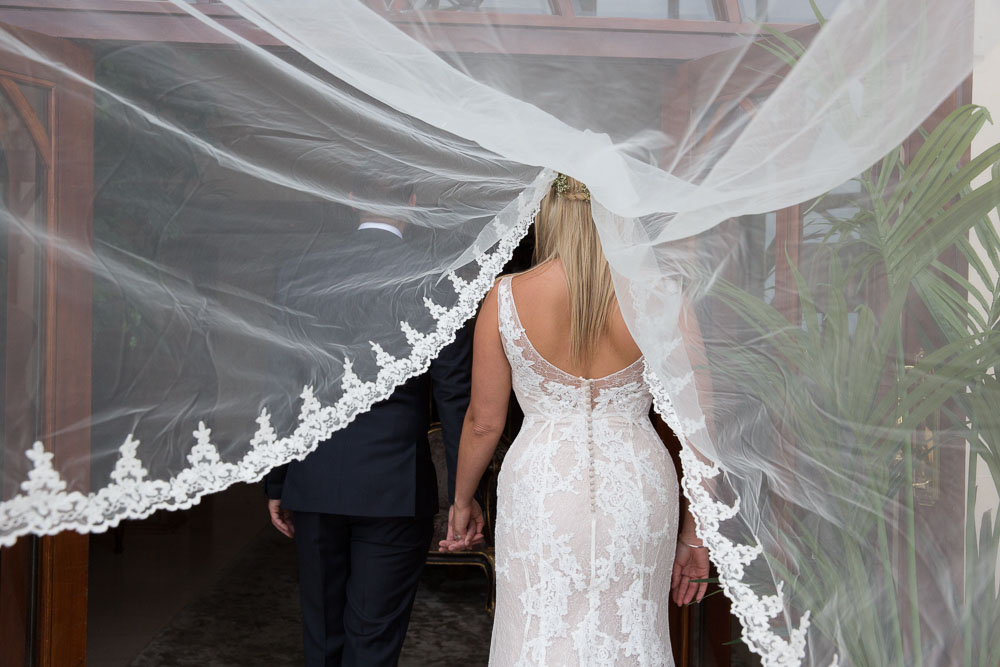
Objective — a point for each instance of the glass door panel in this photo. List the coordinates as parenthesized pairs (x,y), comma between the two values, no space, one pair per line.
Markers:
(647,9)
(38,97)
(24,202)
(785,11)
(24,205)
(498,6)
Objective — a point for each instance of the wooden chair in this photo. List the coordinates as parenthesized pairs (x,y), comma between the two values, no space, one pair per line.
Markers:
(483,555)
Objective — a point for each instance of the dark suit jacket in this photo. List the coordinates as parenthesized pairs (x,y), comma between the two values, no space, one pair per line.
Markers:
(380,465)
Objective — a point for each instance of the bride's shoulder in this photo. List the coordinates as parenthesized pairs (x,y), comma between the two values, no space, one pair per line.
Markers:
(539,275)
(489,303)
(526,281)
(492,294)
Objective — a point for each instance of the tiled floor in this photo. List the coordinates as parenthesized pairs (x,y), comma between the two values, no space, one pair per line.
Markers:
(216,587)
(251,617)
(167,561)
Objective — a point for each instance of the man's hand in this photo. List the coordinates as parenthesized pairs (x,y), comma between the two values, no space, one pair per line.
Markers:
(281,518)
(465,528)
(690,571)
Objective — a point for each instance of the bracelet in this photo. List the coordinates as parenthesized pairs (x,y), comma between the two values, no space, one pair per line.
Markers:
(694,546)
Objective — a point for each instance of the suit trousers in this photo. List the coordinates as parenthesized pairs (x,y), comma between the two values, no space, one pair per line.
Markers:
(358,577)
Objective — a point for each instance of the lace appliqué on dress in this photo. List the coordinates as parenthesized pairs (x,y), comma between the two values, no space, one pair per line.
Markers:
(587,517)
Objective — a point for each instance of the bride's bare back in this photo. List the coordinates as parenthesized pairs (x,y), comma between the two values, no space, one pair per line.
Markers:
(542,301)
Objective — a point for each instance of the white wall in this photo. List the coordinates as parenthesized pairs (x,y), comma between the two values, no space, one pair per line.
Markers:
(986,91)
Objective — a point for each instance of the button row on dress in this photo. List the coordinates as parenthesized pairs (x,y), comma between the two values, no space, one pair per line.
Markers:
(590,445)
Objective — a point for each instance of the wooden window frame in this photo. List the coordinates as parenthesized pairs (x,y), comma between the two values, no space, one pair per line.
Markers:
(47,576)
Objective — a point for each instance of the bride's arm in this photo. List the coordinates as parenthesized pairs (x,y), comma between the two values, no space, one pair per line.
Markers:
(484,422)
(694,345)
(691,566)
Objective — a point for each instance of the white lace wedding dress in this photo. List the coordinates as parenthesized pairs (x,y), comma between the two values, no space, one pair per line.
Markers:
(586,518)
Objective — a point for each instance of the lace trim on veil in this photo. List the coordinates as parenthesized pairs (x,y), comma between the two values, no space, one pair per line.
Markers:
(45,507)
(730,559)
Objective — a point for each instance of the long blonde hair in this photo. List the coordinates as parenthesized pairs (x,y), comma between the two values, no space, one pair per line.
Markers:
(564,229)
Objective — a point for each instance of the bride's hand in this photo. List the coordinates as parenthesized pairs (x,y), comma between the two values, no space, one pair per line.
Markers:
(465,527)
(690,565)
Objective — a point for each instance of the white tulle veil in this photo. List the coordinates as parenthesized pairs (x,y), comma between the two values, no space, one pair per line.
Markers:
(787,192)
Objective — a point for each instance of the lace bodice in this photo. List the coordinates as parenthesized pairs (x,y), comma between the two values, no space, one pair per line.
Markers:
(547,392)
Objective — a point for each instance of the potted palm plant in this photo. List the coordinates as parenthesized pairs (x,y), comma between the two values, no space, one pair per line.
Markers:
(895,354)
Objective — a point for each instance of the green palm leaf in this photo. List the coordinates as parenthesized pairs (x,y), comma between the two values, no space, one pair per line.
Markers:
(838,386)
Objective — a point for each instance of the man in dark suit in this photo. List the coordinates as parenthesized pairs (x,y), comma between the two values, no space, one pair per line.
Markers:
(361,506)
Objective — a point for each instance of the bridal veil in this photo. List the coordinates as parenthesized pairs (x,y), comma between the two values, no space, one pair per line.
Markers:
(794,197)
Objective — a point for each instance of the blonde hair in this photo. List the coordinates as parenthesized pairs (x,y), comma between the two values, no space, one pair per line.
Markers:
(564,229)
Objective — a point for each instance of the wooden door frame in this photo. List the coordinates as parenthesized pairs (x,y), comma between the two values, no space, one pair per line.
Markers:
(714,616)
(947,511)
(48,576)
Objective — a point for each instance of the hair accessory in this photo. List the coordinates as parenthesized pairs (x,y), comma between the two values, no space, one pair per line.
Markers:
(565,190)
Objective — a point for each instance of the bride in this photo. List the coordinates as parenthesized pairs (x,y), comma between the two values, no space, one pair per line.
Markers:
(587,545)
